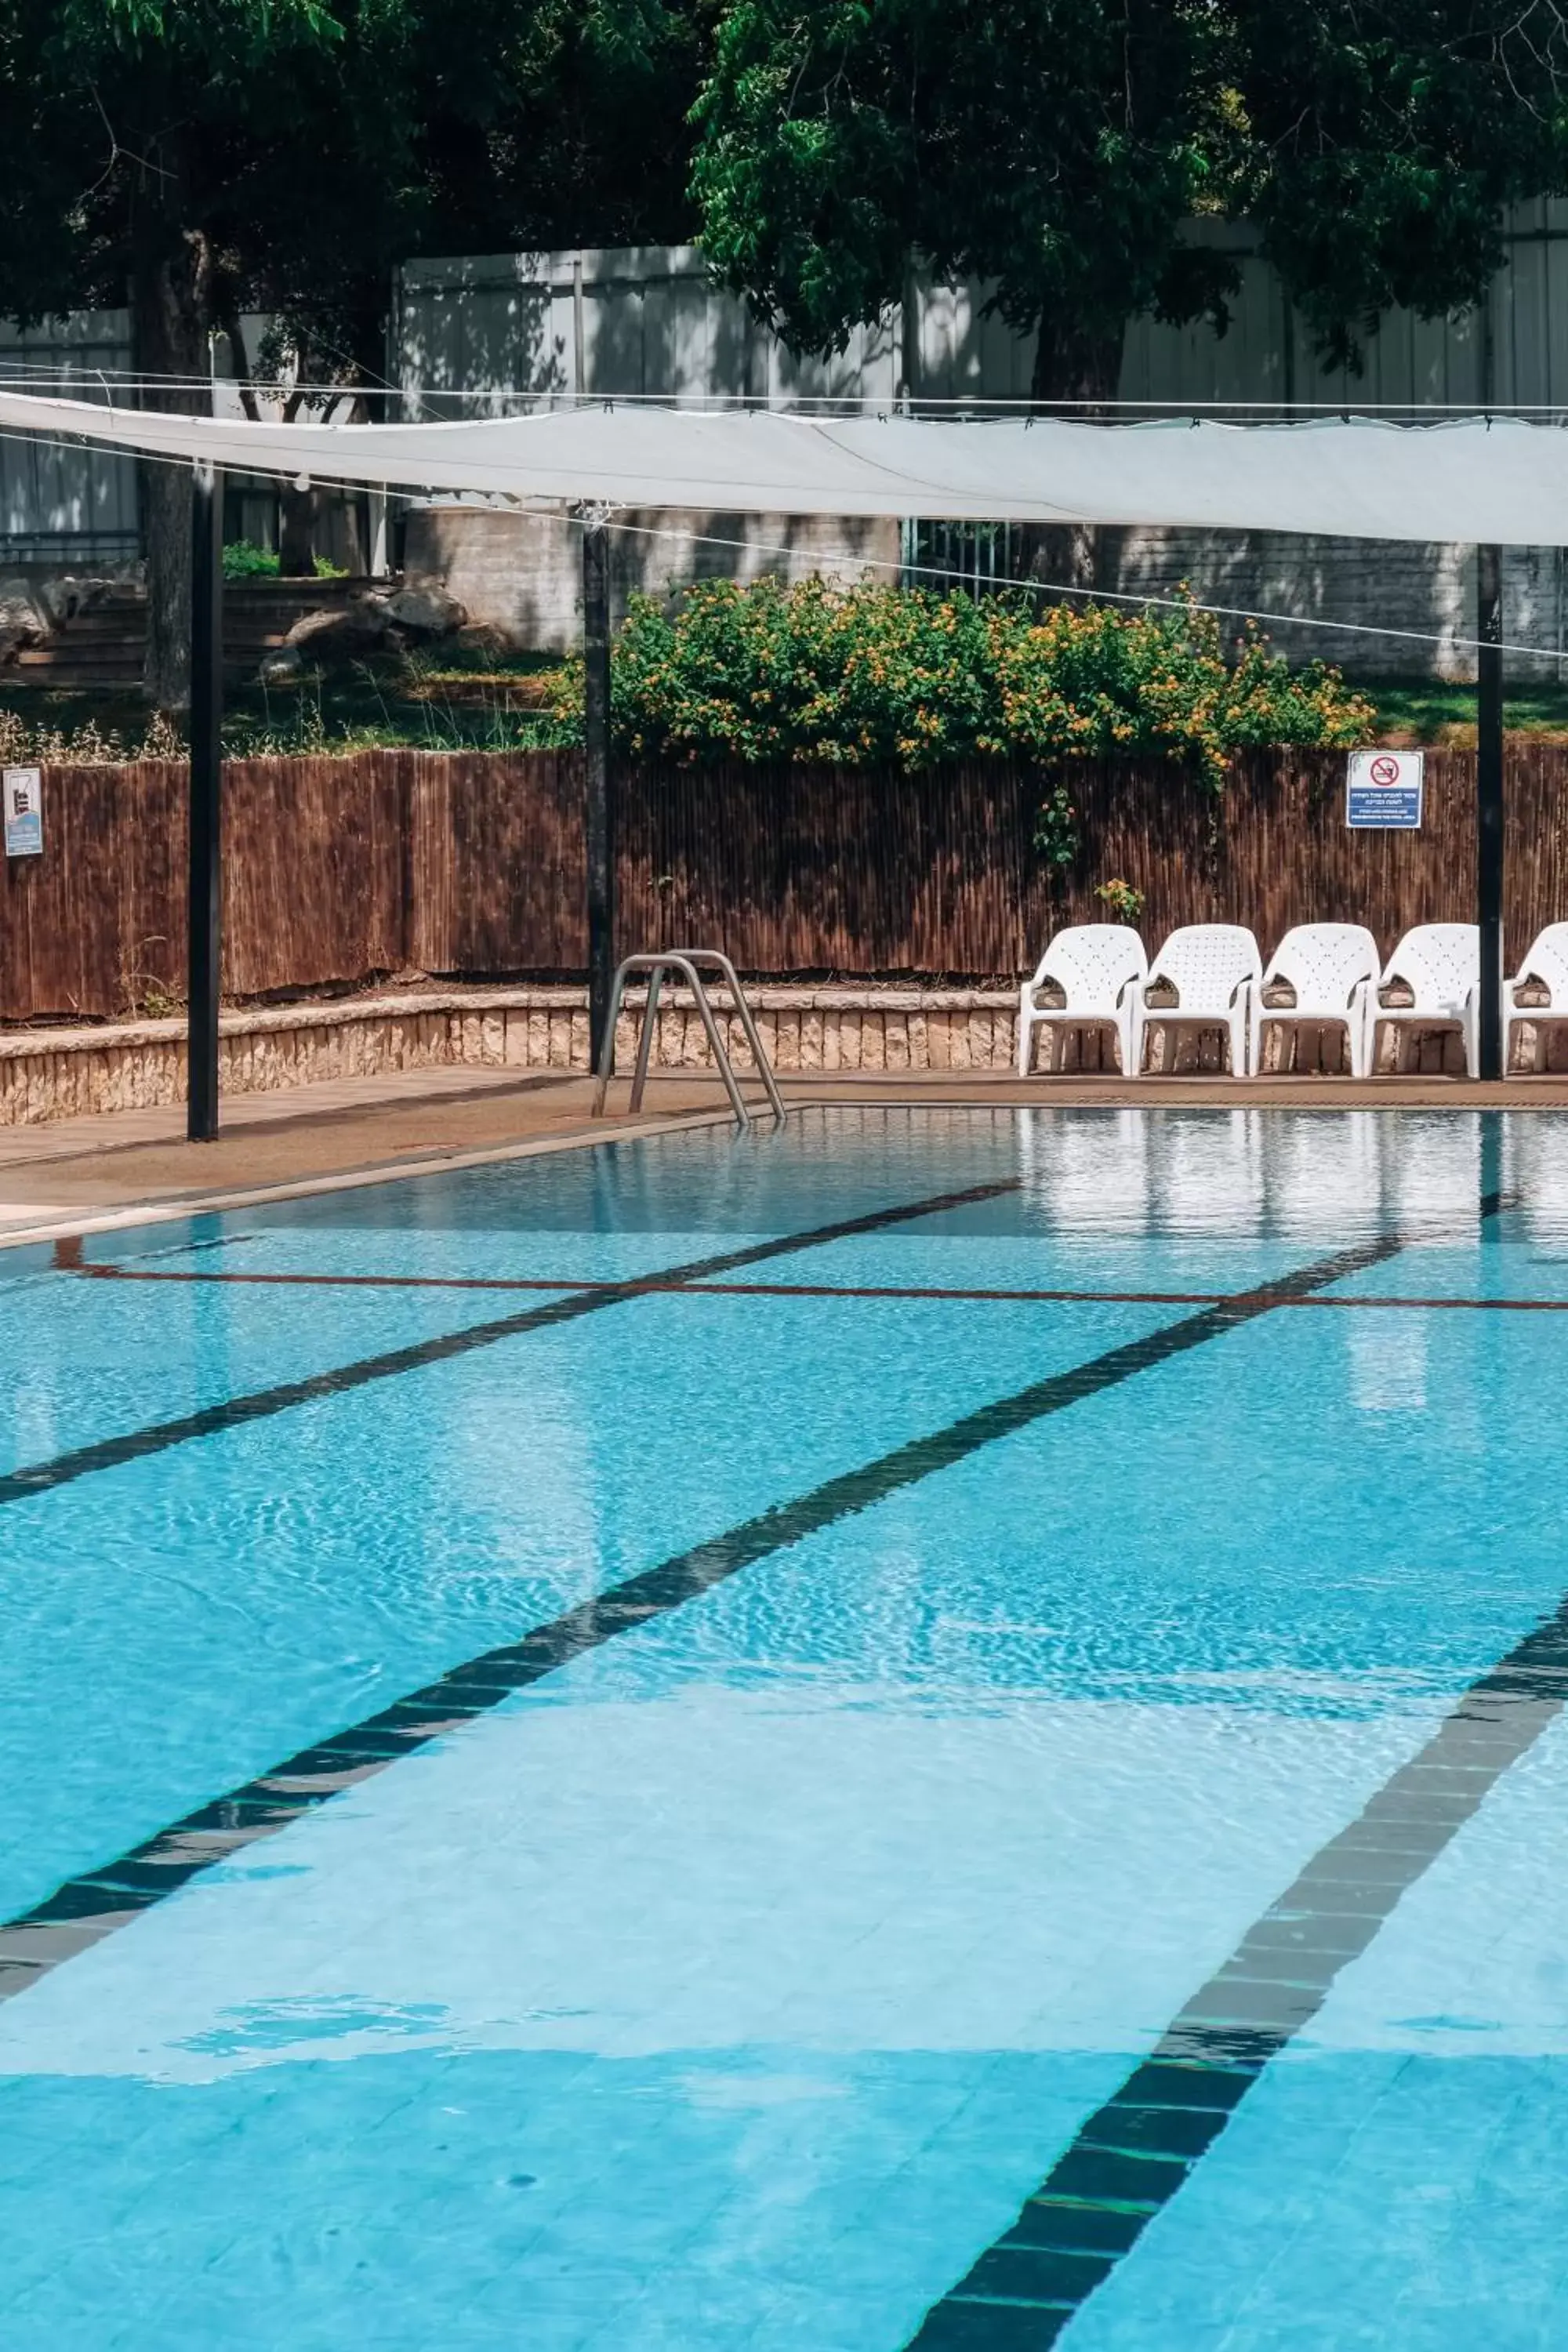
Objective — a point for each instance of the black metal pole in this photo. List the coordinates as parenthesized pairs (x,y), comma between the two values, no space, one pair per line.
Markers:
(206,803)
(1490,803)
(599,816)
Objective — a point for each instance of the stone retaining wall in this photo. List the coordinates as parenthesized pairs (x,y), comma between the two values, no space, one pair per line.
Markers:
(47,1073)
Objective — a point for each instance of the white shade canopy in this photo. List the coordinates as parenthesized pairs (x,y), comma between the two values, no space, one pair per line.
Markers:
(1477,479)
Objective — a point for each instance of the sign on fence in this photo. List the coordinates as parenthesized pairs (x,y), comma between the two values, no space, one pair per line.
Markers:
(24,813)
(1383,789)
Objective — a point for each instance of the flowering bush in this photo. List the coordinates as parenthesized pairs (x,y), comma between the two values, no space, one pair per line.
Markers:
(905,674)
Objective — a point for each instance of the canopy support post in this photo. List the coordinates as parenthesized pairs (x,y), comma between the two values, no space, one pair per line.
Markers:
(1490,807)
(205,902)
(598,814)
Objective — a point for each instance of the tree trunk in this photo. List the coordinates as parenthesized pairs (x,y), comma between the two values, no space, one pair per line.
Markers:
(169,299)
(1075,374)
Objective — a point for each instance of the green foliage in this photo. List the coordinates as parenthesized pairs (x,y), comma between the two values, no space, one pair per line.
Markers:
(243,560)
(1060,148)
(1122,899)
(1055,147)
(1386,138)
(281,155)
(904,675)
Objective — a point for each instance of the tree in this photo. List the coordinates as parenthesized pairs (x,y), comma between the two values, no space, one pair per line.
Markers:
(205,157)
(1054,148)
(1386,138)
(1058,151)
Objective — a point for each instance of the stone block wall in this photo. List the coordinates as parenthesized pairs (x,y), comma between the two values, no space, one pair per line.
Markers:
(50,1074)
(806,1033)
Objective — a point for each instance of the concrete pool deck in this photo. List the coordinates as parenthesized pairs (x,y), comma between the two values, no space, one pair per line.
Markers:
(126,1167)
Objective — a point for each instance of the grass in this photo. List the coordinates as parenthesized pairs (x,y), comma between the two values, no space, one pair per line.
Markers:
(1434,712)
(473,698)
(473,702)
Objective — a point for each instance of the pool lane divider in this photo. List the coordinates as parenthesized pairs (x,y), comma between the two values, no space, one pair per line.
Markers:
(261,1404)
(85,1909)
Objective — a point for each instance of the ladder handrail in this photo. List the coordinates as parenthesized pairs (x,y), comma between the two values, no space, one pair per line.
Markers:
(684,961)
(731,978)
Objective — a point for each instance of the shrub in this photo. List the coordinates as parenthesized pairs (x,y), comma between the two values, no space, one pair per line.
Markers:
(906,674)
(243,560)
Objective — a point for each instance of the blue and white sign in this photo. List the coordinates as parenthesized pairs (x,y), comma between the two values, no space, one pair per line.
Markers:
(1383,790)
(24,802)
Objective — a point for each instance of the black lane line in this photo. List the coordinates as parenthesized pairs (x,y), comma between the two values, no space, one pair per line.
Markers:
(1135,2153)
(233,1412)
(83,1910)
(1127,2161)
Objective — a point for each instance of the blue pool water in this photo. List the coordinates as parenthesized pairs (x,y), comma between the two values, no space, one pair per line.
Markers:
(734,1980)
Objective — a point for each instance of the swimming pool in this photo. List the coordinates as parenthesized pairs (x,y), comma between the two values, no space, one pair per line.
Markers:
(939,1729)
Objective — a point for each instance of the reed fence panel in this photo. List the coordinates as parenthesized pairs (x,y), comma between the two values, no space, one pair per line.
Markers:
(337,870)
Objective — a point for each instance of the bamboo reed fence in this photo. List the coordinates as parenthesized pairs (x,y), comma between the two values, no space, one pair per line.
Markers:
(340,870)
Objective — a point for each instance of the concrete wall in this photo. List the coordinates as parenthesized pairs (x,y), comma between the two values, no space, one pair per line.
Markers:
(522,574)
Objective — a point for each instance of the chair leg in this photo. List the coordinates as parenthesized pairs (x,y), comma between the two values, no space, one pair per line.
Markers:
(1131,1042)
(1240,1023)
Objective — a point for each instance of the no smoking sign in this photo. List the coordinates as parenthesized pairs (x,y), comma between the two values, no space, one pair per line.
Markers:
(1383,789)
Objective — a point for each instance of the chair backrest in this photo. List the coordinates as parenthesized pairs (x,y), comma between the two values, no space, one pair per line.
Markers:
(1440,963)
(1548,961)
(1206,964)
(1324,962)
(1090,963)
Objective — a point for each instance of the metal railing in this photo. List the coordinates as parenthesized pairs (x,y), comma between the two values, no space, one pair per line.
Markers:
(684,962)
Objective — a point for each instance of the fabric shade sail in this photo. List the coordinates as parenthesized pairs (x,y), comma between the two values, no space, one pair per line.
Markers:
(1495,480)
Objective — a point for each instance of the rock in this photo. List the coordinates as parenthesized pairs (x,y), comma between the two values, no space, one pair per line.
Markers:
(348,632)
(23,619)
(379,621)
(64,598)
(426,610)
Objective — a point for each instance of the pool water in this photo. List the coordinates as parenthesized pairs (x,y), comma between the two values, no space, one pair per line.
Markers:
(936,1729)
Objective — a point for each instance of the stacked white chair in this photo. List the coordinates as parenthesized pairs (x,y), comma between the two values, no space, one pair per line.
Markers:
(1215,972)
(1331,973)
(1538,992)
(1098,971)
(1438,966)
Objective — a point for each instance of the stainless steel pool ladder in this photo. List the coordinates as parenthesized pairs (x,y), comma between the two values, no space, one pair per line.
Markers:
(684,962)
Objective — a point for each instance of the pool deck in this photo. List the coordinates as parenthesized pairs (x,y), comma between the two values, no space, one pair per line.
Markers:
(125,1167)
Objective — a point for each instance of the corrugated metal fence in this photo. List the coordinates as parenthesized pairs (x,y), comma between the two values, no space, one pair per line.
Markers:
(336,870)
(474,335)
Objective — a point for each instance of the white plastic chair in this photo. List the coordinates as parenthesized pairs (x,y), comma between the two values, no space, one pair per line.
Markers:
(1099,969)
(1440,964)
(1546,966)
(1216,969)
(1332,969)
